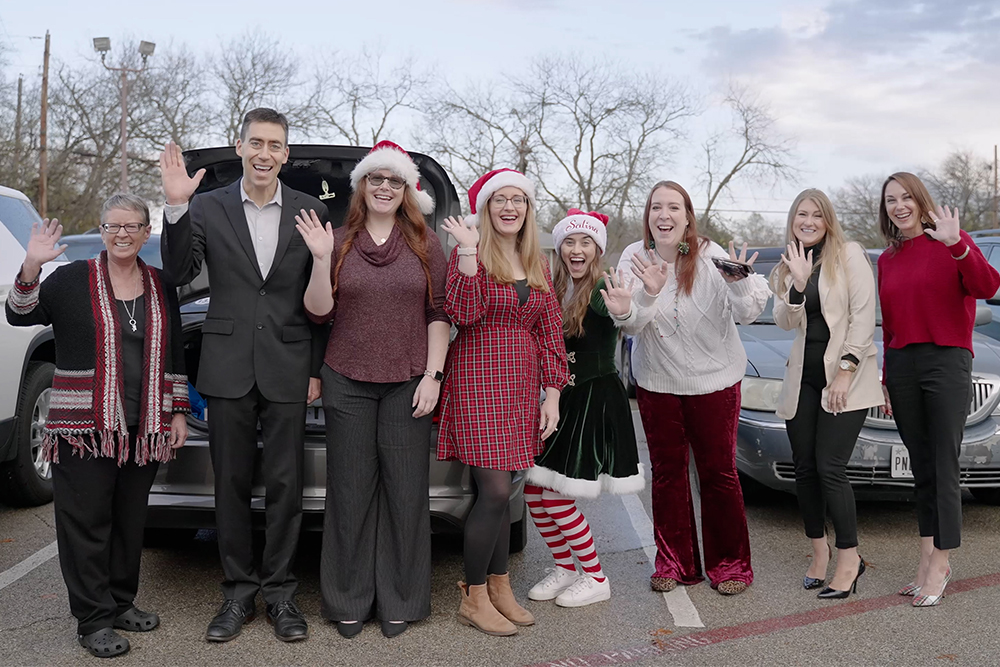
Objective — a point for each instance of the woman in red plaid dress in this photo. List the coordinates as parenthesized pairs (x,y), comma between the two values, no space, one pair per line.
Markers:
(509,347)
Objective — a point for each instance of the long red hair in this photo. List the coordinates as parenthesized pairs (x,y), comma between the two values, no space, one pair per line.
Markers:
(686,264)
(409,219)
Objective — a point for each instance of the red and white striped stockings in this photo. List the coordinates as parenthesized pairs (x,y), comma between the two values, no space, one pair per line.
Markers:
(564,530)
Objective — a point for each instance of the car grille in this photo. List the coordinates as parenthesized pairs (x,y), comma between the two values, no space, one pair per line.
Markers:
(860,475)
(984,399)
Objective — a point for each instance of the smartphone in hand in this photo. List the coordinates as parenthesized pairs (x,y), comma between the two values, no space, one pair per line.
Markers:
(732,268)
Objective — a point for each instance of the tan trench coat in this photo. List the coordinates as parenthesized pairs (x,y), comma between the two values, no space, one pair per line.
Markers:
(848,306)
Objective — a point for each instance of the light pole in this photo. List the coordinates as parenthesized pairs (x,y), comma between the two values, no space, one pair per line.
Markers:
(103,45)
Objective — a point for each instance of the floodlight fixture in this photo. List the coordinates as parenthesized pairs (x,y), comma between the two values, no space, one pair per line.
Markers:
(146,48)
(102,44)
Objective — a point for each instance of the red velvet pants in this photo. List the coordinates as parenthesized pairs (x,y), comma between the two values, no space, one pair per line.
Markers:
(707,425)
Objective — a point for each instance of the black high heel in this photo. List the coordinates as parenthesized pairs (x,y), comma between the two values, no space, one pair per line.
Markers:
(810,583)
(833,594)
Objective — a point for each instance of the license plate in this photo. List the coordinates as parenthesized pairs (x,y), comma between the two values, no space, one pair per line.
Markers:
(901,462)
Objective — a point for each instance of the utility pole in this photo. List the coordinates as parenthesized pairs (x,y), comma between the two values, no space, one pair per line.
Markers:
(17,134)
(43,152)
(995,164)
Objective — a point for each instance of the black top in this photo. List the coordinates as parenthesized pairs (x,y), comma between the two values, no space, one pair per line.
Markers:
(817,330)
(132,348)
(523,291)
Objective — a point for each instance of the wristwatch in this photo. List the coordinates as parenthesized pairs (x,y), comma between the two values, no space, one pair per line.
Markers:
(846,365)
(435,375)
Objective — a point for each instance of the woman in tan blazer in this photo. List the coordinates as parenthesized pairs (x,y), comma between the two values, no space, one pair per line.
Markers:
(831,379)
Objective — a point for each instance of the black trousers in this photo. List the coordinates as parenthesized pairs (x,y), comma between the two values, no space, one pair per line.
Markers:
(376,529)
(822,444)
(232,433)
(930,388)
(100,512)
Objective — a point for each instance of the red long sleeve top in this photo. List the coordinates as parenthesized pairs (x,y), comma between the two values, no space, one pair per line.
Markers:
(928,296)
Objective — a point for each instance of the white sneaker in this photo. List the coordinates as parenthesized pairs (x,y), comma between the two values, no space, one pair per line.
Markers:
(555,582)
(585,590)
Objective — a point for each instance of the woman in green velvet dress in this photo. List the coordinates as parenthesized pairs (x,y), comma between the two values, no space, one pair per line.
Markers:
(593,450)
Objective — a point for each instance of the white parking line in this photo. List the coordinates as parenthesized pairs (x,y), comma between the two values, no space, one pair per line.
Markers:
(40,557)
(678,603)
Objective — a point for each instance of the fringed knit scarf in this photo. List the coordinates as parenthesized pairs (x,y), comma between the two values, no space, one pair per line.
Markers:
(87,408)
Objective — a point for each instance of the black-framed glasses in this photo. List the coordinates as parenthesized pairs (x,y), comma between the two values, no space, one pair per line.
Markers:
(375,180)
(499,201)
(130,227)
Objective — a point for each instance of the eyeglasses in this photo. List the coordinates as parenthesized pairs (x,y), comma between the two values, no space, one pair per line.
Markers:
(375,180)
(130,227)
(499,201)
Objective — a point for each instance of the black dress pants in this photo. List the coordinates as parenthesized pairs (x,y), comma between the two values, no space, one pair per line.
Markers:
(376,530)
(822,444)
(100,512)
(232,434)
(930,388)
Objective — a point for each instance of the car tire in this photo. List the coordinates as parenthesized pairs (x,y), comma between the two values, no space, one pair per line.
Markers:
(986,496)
(26,481)
(519,535)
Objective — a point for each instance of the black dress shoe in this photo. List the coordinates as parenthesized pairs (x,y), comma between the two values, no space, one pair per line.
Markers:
(348,630)
(289,623)
(391,630)
(229,622)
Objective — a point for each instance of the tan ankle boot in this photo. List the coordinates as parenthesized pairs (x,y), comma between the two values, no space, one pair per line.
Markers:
(503,599)
(477,611)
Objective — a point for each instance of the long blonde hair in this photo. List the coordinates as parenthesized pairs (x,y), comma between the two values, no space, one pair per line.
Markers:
(833,242)
(529,249)
(574,311)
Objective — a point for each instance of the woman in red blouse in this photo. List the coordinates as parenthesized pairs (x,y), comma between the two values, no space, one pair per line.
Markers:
(509,347)
(380,278)
(929,279)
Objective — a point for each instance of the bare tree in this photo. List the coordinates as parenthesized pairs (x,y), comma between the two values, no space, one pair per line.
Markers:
(478,129)
(255,70)
(172,101)
(752,150)
(356,97)
(757,231)
(964,180)
(857,204)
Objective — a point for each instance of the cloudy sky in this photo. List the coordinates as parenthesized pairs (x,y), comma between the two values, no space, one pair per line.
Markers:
(866,86)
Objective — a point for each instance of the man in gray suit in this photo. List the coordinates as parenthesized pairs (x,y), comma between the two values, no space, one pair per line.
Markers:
(260,358)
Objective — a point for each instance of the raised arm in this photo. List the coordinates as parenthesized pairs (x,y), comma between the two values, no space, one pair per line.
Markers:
(27,302)
(182,243)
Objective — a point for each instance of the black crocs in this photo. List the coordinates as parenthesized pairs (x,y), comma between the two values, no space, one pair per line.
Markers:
(105,643)
(136,620)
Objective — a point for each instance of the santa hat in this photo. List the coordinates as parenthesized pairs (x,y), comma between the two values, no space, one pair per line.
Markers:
(387,155)
(489,183)
(593,224)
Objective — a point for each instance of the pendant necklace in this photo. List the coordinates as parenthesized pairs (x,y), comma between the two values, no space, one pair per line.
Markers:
(131,315)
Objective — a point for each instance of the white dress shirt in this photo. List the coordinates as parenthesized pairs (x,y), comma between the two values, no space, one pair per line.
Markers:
(262,223)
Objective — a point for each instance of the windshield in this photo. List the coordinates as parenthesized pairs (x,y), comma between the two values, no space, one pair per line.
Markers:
(17,216)
(767,317)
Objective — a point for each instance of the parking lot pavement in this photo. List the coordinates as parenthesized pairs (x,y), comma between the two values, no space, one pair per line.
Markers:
(774,622)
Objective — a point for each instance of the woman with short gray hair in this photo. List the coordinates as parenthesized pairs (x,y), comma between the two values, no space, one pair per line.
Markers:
(117,409)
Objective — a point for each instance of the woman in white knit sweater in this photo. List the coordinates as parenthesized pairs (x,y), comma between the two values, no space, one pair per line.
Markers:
(688,363)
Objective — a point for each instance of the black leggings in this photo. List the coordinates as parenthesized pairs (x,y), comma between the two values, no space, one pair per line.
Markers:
(487,530)
(822,444)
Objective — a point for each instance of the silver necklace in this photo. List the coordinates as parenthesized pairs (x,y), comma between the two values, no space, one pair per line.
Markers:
(131,314)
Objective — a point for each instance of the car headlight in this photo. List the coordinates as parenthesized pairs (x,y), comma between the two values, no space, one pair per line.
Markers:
(760,394)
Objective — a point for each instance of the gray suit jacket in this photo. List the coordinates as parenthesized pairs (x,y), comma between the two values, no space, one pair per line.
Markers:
(256,329)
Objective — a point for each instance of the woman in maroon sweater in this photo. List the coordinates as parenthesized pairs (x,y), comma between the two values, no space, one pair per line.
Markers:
(381,279)
(929,279)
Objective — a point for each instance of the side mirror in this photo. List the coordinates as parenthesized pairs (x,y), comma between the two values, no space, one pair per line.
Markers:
(984,315)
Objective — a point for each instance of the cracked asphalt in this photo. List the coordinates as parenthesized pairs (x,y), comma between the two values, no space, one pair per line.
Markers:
(774,622)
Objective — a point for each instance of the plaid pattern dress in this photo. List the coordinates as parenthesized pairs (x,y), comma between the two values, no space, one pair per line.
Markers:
(503,357)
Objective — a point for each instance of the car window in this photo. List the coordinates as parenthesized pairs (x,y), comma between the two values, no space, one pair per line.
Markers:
(17,216)
(992,253)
